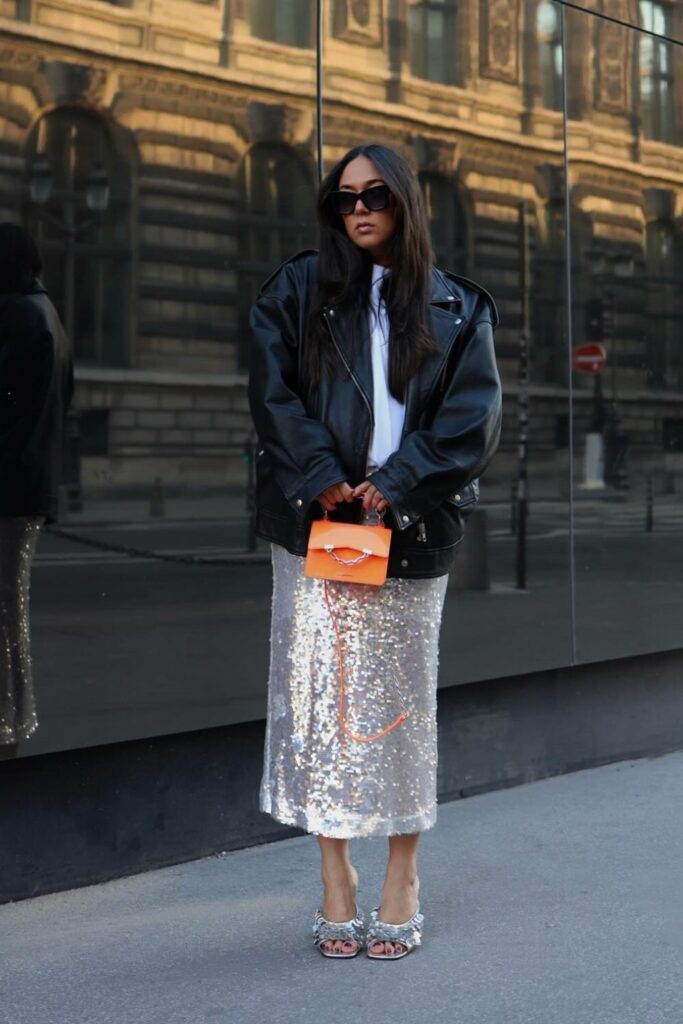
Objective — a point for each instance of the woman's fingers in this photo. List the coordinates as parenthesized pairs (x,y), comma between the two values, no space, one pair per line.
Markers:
(372,498)
(331,496)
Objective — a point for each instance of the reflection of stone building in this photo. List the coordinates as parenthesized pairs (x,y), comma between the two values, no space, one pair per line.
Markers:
(203,113)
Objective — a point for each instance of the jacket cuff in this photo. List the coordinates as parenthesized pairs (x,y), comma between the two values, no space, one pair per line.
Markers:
(302,498)
(403,515)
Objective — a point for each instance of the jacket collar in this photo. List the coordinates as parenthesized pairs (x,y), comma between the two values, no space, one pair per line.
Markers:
(446,323)
(442,292)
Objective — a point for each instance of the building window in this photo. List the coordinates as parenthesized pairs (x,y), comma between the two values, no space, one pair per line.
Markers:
(432,40)
(283,21)
(656,77)
(278,221)
(86,254)
(549,48)
(446,223)
(664,352)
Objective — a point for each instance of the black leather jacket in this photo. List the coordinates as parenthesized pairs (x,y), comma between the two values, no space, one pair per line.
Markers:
(36,385)
(310,438)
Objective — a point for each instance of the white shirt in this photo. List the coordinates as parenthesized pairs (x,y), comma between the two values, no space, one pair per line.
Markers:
(389,414)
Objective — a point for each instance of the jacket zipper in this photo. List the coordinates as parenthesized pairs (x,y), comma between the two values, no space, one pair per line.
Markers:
(422,532)
(357,383)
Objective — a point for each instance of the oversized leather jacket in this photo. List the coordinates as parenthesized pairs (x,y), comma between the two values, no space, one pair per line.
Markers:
(36,385)
(310,438)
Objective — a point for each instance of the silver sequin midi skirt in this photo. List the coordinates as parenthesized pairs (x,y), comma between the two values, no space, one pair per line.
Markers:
(18,539)
(315,774)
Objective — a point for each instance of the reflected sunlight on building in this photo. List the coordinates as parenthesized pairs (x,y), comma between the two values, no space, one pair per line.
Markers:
(203,115)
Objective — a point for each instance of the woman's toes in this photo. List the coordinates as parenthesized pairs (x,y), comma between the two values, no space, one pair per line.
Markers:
(349,946)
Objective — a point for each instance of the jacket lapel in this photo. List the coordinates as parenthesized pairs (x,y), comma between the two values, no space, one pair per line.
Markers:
(446,322)
(360,360)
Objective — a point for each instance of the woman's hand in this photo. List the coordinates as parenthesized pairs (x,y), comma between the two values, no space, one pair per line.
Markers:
(331,496)
(373,500)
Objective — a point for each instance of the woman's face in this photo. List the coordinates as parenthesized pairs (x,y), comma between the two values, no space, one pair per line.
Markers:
(371,230)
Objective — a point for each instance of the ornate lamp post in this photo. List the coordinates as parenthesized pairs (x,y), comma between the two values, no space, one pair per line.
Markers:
(71,223)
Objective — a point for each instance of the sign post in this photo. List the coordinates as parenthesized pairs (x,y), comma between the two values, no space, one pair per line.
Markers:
(591,359)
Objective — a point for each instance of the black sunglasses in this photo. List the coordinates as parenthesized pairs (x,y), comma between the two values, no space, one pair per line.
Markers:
(374,198)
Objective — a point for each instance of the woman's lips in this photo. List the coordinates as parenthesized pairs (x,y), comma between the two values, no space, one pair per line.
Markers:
(363,229)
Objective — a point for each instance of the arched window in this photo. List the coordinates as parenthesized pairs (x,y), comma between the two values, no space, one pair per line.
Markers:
(432,40)
(283,21)
(656,75)
(86,253)
(279,216)
(446,222)
(665,309)
(549,50)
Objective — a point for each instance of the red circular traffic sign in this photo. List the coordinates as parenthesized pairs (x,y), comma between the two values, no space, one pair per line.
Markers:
(589,358)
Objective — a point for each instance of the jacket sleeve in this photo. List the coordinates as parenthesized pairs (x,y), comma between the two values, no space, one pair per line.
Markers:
(26,363)
(432,465)
(301,449)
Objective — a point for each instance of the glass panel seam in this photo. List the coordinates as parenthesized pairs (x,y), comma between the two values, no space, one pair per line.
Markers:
(569,330)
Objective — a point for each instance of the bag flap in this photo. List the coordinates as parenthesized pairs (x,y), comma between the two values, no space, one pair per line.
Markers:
(351,536)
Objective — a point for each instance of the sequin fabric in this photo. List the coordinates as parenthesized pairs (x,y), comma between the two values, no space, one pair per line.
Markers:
(315,776)
(18,539)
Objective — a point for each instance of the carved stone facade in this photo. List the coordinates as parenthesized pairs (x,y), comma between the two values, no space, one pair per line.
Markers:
(500,39)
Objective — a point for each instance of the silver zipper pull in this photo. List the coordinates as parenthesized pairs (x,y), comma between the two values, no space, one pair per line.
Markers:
(421,532)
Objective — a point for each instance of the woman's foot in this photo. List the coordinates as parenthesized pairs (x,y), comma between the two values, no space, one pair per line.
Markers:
(339,904)
(398,904)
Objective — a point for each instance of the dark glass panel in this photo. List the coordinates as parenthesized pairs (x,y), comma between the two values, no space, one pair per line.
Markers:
(150,608)
(627,287)
(495,206)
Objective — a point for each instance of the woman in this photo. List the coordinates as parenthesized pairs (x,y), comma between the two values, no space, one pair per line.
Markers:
(374,390)
(36,382)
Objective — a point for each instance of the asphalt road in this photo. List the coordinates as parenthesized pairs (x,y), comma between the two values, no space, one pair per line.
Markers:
(131,647)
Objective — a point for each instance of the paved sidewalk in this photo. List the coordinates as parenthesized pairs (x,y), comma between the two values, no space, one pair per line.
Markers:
(557,902)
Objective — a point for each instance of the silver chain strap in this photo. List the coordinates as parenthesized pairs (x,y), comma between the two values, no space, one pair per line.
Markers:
(329,548)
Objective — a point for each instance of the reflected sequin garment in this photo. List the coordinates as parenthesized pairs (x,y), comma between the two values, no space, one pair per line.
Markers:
(18,539)
(315,776)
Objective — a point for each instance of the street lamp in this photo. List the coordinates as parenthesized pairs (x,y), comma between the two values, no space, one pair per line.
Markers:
(70,224)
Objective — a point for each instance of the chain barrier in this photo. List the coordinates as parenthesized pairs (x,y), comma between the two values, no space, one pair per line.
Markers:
(239,558)
(247,557)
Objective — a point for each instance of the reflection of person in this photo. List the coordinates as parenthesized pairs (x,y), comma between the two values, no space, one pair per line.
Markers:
(36,382)
(373,377)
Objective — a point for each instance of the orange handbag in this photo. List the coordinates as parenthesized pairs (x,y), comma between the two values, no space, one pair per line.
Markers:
(348,552)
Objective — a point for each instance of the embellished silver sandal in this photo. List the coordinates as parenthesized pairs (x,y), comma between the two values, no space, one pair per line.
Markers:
(409,934)
(339,931)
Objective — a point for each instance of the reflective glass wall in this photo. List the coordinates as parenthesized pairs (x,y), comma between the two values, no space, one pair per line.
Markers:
(165,177)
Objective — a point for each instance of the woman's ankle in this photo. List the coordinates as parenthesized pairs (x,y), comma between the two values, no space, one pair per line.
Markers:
(401,875)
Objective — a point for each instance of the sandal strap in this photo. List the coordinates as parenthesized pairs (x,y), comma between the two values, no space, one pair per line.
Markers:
(344,931)
(409,932)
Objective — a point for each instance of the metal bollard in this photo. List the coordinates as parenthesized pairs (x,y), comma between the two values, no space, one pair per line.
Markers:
(157,509)
(250,456)
(649,506)
(513,508)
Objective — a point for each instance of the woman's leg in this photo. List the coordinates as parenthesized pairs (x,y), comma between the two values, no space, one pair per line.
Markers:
(340,882)
(400,889)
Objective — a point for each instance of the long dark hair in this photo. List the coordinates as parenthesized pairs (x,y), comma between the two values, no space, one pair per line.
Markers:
(19,258)
(345,273)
